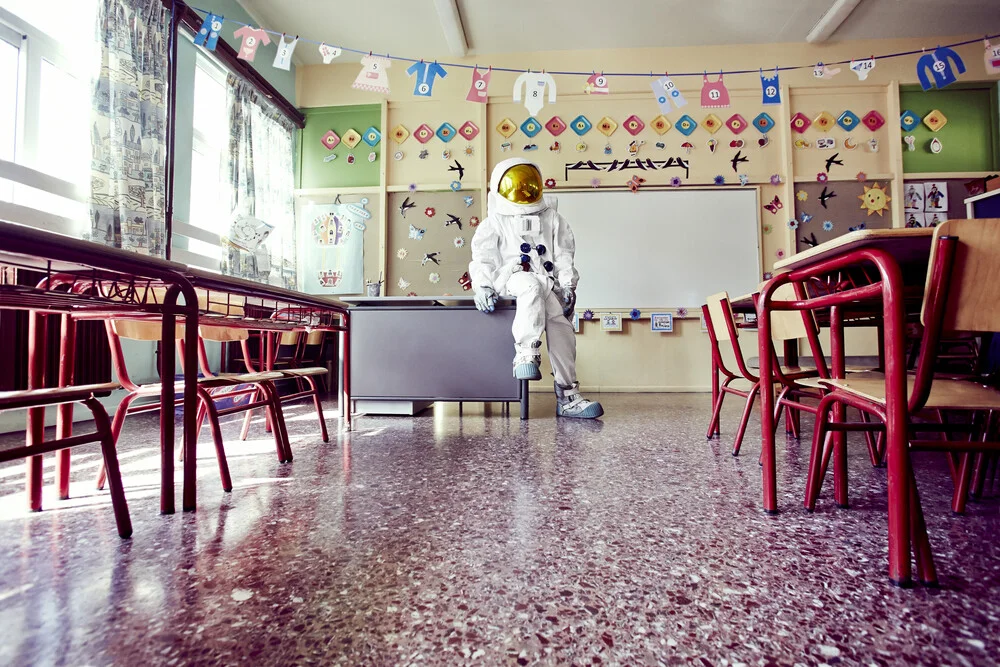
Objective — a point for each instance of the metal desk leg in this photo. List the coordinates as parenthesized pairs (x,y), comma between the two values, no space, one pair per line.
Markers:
(524,399)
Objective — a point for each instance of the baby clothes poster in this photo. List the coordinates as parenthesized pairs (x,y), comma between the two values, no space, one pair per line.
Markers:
(333,261)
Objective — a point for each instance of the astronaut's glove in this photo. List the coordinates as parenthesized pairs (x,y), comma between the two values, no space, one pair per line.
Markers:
(485,298)
(567,296)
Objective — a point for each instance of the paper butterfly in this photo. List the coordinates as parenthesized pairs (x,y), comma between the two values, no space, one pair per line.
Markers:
(416,233)
(468,200)
(775,205)
(805,218)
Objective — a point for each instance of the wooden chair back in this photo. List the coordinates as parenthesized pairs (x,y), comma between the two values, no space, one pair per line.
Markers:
(722,317)
(972,301)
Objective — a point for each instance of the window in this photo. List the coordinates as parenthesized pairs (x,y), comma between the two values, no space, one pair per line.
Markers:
(209,197)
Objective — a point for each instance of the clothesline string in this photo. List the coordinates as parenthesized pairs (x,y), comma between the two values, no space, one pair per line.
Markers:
(786,68)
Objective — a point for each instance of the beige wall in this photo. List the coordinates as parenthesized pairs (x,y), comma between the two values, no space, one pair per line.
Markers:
(638,359)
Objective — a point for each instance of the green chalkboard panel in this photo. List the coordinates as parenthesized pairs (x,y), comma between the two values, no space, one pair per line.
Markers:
(969,139)
(313,172)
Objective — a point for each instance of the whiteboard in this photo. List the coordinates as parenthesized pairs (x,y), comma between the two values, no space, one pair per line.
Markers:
(663,248)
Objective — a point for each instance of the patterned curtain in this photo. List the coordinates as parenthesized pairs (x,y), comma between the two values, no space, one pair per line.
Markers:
(260,172)
(128,132)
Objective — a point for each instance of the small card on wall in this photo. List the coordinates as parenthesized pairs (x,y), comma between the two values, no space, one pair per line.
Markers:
(934,219)
(611,322)
(661,322)
(914,219)
(913,198)
(936,196)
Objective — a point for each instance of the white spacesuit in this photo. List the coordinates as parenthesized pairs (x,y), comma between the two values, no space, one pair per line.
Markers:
(524,249)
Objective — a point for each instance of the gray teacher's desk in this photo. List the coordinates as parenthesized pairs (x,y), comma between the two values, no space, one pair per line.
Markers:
(408,352)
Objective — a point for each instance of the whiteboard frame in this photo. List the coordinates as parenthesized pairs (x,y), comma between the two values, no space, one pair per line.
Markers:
(694,310)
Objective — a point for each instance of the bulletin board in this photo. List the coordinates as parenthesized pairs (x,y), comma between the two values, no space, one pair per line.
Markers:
(314,172)
(968,139)
(843,211)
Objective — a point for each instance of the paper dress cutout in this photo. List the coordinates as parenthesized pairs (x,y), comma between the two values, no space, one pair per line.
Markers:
(666,93)
(328,53)
(373,76)
(770,88)
(597,84)
(208,34)
(863,67)
(283,58)
(534,84)
(714,95)
(940,64)
(991,57)
(480,85)
(425,74)
(252,38)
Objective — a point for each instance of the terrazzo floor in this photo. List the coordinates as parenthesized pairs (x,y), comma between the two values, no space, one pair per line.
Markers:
(479,539)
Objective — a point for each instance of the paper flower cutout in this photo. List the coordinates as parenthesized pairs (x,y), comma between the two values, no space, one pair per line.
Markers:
(719,180)
(403,283)
(402,253)
(550,183)
(768,275)
(802,195)
(861,176)
(595,182)
(767,228)
(411,294)
(822,177)
(412,187)
(793,224)
(675,182)
(776,179)
(682,312)
(588,314)
(469,150)
(429,212)
(744,179)
(434,277)
(459,242)
(827,225)
(780,253)
(635,313)
(456,186)
(473,221)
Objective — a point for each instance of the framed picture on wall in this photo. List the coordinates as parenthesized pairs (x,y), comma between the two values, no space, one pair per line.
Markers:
(576,322)
(704,324)
(936,197)
(661,322)
(611,322)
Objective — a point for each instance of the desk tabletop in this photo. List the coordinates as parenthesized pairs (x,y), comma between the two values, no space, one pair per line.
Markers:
(397,301)
(907,245)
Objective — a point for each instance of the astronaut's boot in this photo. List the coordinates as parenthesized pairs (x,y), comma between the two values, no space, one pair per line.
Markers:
(527,362)
(569,403)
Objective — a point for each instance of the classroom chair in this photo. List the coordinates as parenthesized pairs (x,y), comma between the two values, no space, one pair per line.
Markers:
(960,296)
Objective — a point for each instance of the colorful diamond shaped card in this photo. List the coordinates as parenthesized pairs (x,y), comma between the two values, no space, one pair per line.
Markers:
(531,127)
(580,125)
(506,127)
(935,120)
(351,138)
(330,140)
(686,125)
(908,120)
(400,134)
(633,125)
(763,122)
(607,126)
(712,123)
(469,130)
(873,120)
(660,124)
(800,122)
(848,121)
(555,126)
(424,133)
(372,136)
(736,123)
(446,132)
(824,122)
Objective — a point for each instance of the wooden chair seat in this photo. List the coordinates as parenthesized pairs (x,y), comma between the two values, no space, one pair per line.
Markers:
(35,398)
(945,393)
(302,372)
(821,383)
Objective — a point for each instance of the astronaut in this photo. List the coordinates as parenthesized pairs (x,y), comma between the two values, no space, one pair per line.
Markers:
(524,249)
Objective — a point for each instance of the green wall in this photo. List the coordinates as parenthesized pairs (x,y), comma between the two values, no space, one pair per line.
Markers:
(969,139)
(313,172)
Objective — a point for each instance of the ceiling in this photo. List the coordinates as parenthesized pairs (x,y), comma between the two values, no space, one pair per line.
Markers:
(413,27)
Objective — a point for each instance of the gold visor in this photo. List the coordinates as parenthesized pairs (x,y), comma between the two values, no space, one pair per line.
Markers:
(521,184)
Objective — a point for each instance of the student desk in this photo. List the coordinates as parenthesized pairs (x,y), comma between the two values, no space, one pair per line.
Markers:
(894,253)
(413,351)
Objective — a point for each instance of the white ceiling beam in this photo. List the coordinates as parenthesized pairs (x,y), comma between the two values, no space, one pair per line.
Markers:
(831,21)
(451,23)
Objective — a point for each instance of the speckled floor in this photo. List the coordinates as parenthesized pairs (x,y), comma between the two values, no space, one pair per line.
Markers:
(483,540)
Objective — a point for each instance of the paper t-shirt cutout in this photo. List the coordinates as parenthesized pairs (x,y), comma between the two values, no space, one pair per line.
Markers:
(328,53)
(940,64)
(480,84)
(597,84)
(992,58)
(425,73)
(770,88)
(534,84)
(252,38)
(666,93)
(863,67)
(283,58)
(208,34)
(714,95)
(373,76)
